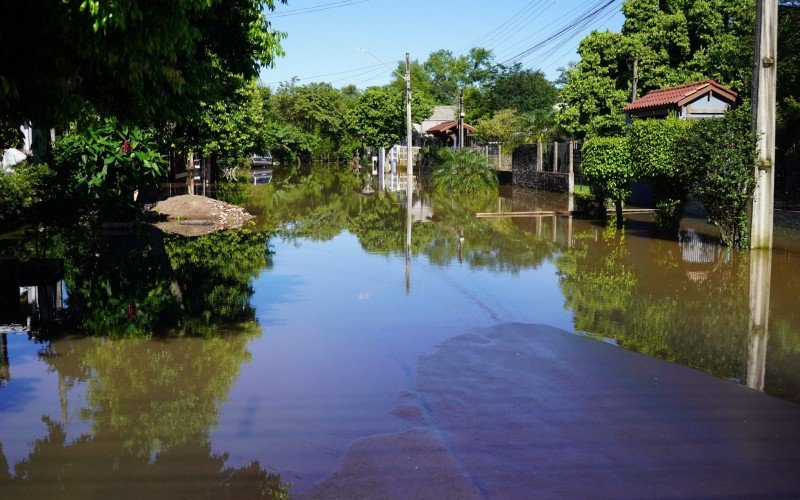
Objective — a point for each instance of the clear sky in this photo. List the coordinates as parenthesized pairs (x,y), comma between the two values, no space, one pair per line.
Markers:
(323,35)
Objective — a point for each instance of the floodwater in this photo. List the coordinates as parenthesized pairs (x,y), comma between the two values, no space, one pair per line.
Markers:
(320,345)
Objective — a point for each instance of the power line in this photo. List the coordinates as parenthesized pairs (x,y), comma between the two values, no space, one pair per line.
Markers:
(316,8)
(521,24)
(488,35)
(557,60)
(538,32)
(571,28)
(331,74)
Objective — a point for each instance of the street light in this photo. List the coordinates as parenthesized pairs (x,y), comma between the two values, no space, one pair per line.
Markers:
(409,165)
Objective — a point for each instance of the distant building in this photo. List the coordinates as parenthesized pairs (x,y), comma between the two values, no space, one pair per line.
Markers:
(706,99)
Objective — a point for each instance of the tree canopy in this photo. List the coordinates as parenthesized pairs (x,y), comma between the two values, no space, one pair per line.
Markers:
(673,41)
(140,61)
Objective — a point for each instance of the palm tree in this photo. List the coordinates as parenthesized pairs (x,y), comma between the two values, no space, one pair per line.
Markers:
(462,172)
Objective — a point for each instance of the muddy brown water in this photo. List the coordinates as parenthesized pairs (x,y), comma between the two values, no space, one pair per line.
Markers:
(336,367)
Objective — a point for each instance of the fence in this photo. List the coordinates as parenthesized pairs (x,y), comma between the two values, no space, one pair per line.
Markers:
(549,166)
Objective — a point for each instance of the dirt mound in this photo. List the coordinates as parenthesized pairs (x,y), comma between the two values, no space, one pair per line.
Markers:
(192,215)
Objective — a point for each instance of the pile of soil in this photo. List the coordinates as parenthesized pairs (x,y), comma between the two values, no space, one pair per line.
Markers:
(193,215)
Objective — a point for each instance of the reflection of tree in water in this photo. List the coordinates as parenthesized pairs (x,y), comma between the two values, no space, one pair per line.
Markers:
(641,293)
(496,244)
(146,282)
(379,223)
(57,468)
(212,276)
(151,405)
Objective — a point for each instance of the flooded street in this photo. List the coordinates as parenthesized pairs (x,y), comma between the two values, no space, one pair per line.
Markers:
(332,363)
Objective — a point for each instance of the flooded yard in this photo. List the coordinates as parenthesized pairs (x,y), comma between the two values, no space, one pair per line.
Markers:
(504,357)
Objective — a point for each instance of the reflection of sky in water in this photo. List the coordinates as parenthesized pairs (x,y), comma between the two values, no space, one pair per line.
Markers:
(341,339)
(32,393)
(341,335)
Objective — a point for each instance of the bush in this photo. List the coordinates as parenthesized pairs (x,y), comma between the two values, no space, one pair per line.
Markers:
(719,154)
(606,166)
(652,148)
(107,162)
(462,172)
(24,194)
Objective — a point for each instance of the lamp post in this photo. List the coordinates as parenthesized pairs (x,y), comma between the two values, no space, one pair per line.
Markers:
(409,148)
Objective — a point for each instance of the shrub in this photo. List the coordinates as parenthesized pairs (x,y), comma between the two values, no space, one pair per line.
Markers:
(462,172)
(107,162)
(652,148)
(606,166)
(719,154)
(24,194)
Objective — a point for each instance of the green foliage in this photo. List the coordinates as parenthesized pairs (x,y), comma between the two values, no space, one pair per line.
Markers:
(24,194)
(214,272)
(106,162)
(506,126)
(150,406)
(379,225)
(607,167)
(463,172)
(521,89)
(379,116)
(675,42)
(141,61)
(654,145)
(448,73)
(231,127)
(318,112)
(695,315)
(720,154)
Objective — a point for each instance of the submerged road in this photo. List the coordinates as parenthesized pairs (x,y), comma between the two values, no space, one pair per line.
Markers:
(529,411)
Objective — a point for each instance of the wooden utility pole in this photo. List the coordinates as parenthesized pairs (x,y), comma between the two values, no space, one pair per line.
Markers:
(635,80)
(409,155)
(763,102)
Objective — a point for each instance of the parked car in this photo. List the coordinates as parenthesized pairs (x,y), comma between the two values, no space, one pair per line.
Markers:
(261,159)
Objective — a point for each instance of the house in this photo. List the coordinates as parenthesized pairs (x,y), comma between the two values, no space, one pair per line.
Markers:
(706,99)
(439,115)
(446,133)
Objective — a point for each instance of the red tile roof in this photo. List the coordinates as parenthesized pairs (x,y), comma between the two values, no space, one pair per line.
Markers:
(679,96)
(451,125)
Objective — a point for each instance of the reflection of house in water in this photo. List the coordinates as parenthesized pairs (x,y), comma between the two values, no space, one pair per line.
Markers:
(39,283)
(698,250)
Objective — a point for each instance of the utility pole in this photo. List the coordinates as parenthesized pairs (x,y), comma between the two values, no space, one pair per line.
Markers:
(461,119)
(635,79)
(409,155)
(764,83)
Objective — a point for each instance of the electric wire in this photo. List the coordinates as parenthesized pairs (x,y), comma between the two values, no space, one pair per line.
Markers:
(315,8)
(565,32)
(332,74)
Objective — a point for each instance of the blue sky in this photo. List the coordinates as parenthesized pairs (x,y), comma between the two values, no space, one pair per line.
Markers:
(324,42)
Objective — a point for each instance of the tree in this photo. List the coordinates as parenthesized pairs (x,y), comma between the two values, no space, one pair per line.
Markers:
(674,42)
(141,61)
(522,89)
(319,111)
(719,154)
(607,168)
(506,126)
(449,74)
(379,116)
